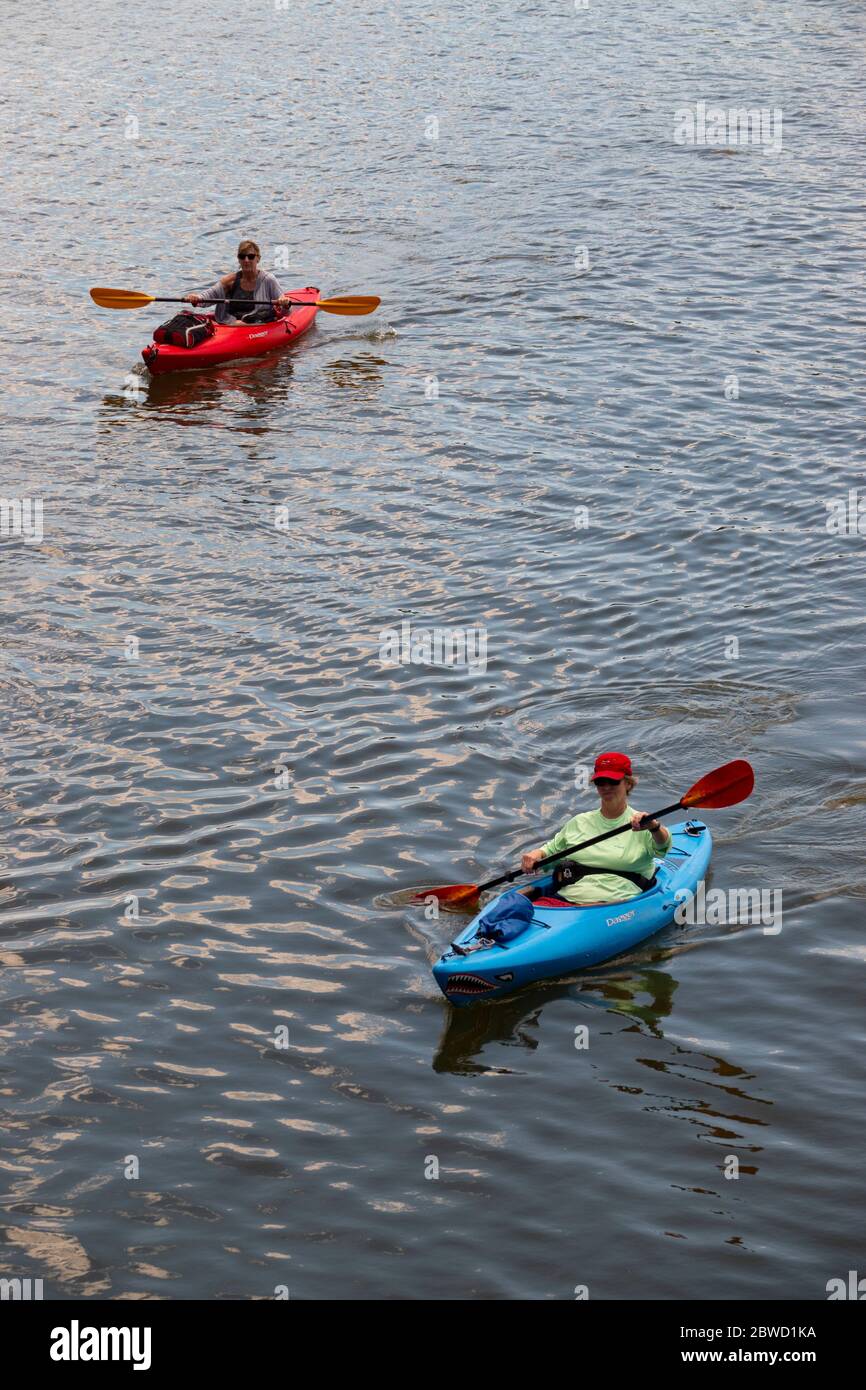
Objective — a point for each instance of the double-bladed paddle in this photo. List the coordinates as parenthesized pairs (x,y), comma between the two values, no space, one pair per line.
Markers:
(356,304)
(726,786)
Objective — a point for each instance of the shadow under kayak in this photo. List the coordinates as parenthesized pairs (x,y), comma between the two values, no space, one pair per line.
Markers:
(232,341)
(561,940)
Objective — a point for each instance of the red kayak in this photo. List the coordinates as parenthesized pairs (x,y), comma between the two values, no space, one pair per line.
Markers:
(231,341)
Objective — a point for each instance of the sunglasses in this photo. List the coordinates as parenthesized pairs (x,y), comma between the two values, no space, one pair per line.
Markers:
(248,256)
(605,782)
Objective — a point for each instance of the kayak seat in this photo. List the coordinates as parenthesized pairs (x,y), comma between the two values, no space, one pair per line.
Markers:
(552,902)
(261,315)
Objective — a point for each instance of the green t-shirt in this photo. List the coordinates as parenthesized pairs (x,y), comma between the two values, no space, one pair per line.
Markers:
(632,850)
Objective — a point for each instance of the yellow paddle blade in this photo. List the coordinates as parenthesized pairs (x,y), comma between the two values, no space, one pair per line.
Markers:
(347,304)
(120,299)
(356,304)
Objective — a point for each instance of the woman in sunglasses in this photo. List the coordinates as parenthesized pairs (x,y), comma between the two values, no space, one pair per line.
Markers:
(618,868)
(235,293)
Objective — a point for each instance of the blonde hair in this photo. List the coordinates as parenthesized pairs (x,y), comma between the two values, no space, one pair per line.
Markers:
(249,246)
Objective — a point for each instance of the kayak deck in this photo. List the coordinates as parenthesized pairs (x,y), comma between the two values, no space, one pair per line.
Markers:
(232,341)
(562,939)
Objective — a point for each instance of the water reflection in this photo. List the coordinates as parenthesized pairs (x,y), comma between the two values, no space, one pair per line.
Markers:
(230,395)
(646,995)
(357,372)
(266,382)
(729,1113)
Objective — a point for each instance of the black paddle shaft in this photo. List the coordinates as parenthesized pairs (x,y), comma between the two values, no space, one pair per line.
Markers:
(573,849)
(161,299)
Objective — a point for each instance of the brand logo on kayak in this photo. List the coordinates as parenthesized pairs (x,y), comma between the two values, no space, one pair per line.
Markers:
(263,334)
(22,517)
(464,647)
(623,917)
(736,907)
(847,515)
(713,125)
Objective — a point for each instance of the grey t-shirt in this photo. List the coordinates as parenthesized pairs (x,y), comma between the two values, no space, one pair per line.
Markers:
(266,288)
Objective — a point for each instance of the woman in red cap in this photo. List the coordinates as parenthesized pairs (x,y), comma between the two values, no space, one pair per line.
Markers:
(618,868)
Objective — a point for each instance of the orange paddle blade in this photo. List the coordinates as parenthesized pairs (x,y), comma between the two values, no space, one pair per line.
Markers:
(726,786)
(460,897)
(120,299)
(350,304)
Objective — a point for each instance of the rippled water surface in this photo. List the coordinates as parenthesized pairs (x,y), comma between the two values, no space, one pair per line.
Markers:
(214,790)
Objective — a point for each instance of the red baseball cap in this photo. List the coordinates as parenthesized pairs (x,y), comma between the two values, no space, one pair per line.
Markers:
(612,765)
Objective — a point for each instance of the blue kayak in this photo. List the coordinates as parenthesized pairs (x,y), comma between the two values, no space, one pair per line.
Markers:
(560,940)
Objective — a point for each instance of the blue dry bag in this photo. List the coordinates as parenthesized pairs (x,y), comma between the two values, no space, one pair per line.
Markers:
(507,918)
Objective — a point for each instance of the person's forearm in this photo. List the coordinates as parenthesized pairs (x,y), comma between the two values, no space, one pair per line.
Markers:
(213,292)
